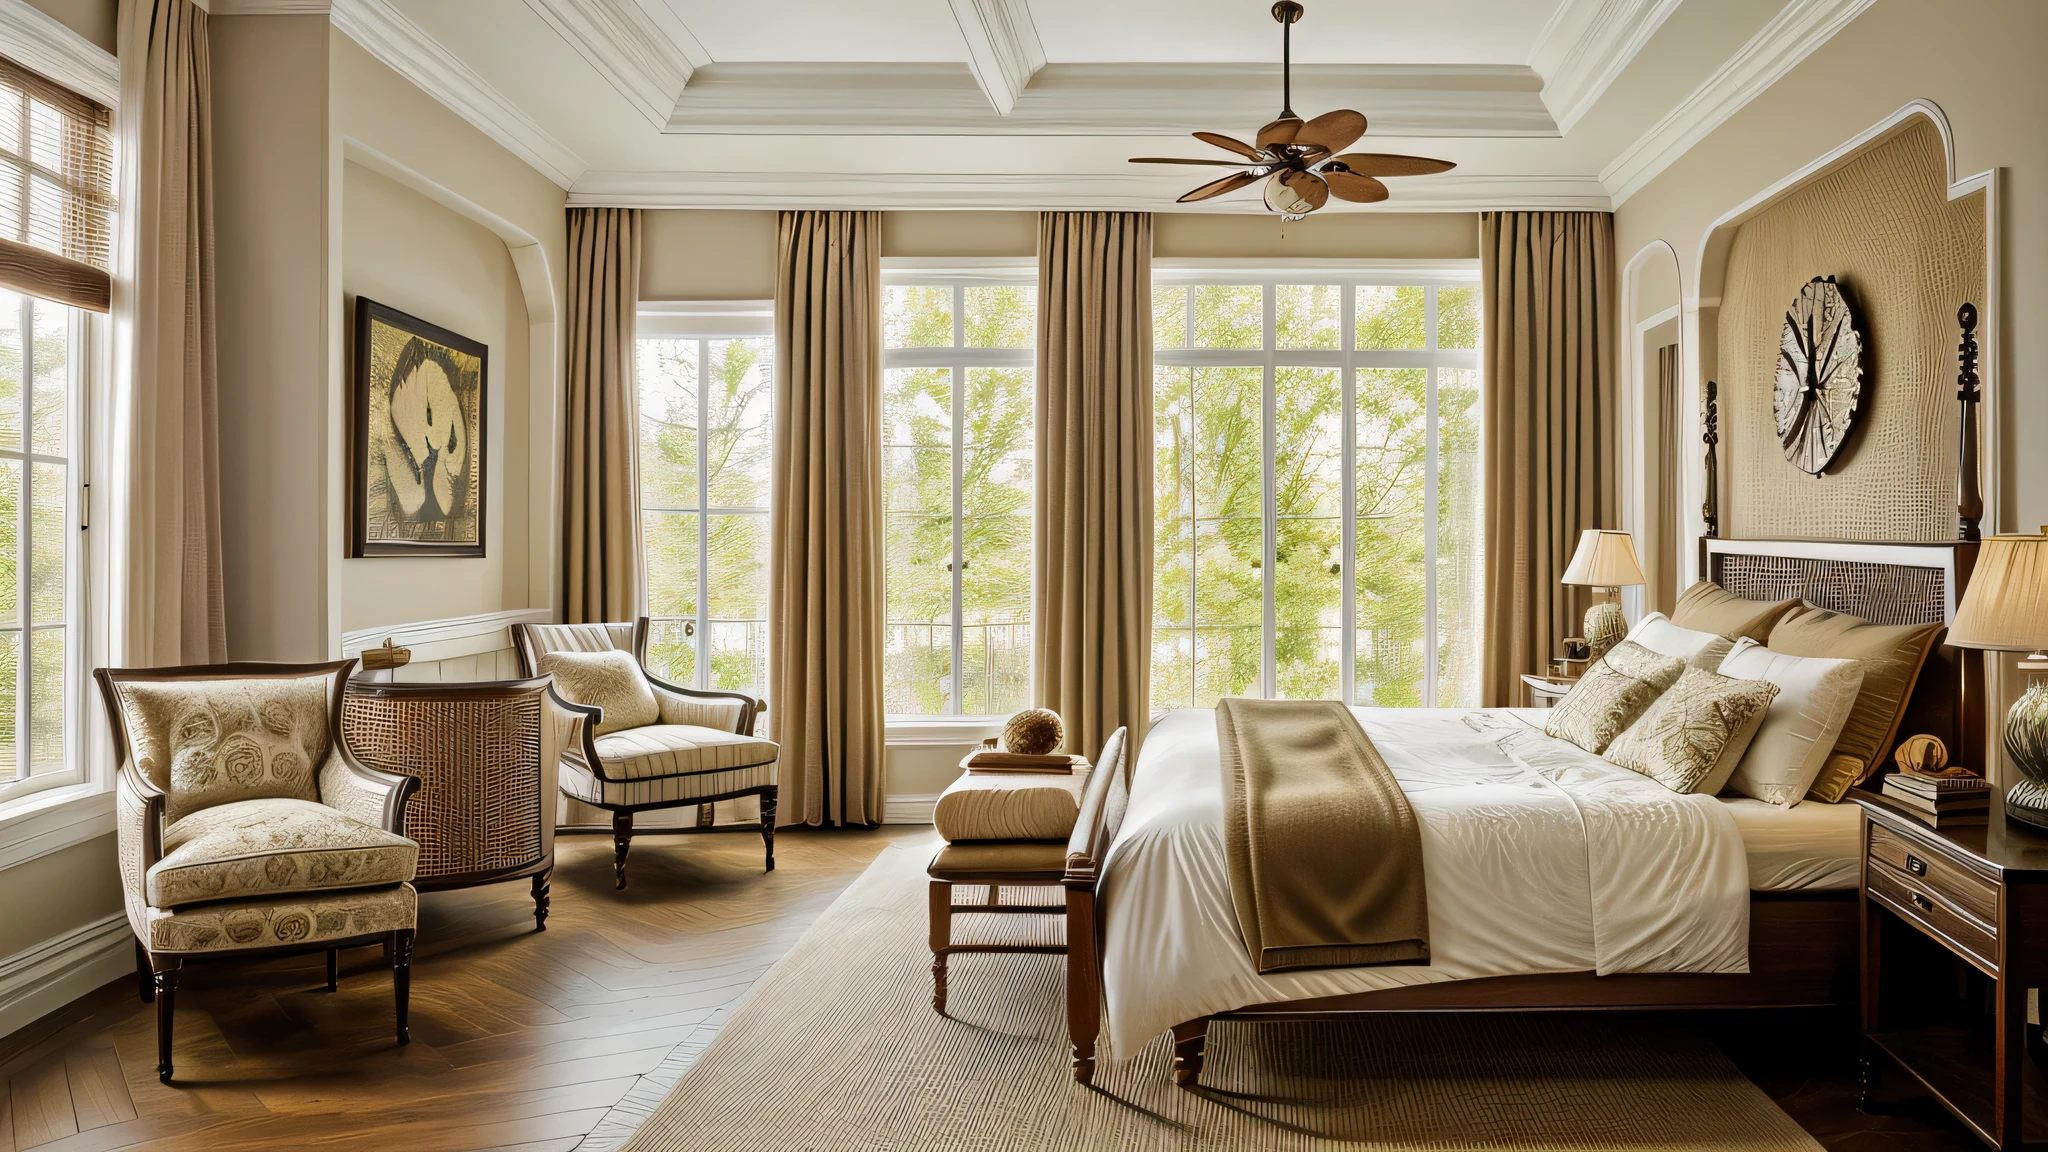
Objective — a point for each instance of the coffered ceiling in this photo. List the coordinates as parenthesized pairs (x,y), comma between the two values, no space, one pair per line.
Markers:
(1039,103)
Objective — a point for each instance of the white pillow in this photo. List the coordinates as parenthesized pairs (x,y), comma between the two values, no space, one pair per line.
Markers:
(1657,633)
(1815,697)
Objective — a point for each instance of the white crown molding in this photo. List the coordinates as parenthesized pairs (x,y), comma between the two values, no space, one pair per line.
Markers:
(1134,191)
(622,42)
(1586,44)
(1002,47)
(1104,99)
(46,976)
(1800,28)
(39,43)
(408,50)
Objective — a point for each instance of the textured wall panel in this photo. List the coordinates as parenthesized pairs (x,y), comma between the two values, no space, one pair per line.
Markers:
(1907,258)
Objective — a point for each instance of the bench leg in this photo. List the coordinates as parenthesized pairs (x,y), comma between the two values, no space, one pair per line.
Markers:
(941,905)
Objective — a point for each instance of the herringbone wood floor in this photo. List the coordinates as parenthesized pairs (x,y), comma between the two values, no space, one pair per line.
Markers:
(520,1039)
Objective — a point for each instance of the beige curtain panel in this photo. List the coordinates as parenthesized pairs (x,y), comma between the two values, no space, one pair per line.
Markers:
(1548,472)
(825,607)
(165,546)
(601,479)
(1093,593)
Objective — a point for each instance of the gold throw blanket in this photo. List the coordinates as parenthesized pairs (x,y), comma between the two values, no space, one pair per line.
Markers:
(1325,856)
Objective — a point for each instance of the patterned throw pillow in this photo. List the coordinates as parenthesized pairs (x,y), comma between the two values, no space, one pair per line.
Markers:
(1612,693)
(208,742)
(1691,739)
(611,681)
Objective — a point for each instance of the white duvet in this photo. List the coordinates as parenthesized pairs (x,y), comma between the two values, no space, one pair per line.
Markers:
(1537,856)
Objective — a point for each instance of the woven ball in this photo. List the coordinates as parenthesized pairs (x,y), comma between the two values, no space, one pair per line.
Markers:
(1925,755)
(1034,732)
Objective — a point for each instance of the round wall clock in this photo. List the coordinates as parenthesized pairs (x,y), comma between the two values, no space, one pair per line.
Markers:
(1820,375)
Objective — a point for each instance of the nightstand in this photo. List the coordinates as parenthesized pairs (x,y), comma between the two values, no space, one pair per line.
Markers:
(1546,691)
(1955,930)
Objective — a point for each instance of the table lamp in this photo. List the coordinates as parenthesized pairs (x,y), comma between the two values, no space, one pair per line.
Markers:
(2005,609)
(1606,560)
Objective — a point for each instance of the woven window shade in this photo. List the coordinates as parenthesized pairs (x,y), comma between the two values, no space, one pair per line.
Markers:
(56,190)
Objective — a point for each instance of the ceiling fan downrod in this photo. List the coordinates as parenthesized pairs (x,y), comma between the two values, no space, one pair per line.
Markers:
(1287,12)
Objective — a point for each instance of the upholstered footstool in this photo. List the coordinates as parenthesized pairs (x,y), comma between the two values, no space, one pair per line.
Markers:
(1002,830)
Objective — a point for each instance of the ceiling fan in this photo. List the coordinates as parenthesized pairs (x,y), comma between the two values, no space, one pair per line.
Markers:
(1299,160)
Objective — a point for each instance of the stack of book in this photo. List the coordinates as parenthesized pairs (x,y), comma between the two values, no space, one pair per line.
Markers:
(1943,801)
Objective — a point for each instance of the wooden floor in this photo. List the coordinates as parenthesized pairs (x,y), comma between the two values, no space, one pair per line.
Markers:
(520,1039)
(564,1039)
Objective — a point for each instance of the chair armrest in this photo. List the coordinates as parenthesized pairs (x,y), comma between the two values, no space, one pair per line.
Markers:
(364,793)
(726,711)
(139,819)
(580,744)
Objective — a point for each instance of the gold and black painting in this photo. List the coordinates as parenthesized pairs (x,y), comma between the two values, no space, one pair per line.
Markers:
(418,437)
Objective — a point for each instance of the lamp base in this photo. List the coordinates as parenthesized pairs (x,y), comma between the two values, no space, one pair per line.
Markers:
(1605,627)
(2026,749)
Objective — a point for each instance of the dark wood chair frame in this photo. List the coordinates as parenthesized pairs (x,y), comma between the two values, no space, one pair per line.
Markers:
(156,974)
(622,815)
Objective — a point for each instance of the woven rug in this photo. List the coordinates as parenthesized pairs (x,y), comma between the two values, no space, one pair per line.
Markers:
(838,1048)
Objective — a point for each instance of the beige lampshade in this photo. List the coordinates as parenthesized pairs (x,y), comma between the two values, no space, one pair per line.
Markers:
(1606,559)
(2005,607)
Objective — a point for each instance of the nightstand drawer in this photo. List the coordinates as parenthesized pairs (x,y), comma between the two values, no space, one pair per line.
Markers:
(1939,875)
(1915,901)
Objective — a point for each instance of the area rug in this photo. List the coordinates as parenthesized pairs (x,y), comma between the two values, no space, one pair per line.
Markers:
(838,1048)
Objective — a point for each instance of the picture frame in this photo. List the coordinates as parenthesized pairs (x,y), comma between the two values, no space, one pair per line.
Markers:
(419,437)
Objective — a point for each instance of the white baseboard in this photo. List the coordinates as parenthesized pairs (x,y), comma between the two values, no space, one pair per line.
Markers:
(898,808)
(40,979)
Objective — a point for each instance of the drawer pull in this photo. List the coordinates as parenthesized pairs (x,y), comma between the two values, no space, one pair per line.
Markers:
(1922,902)
(1916,866)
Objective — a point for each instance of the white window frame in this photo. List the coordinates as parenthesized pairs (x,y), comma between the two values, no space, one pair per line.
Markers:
(704,322)
(1349,276)
(959,275)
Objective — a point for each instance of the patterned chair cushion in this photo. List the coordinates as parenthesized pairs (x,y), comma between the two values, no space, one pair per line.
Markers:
(270,923)
(208,742)
(273,847)
(578,783)
(679,749)
(609,680)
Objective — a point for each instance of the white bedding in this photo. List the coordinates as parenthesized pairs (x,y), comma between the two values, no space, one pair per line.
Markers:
(1547,860)
(1805,847)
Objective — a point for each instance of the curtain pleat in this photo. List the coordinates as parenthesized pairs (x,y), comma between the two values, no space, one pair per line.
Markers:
(1092,605)
(1547,279)
(165,547)
(825,605)
(600,480)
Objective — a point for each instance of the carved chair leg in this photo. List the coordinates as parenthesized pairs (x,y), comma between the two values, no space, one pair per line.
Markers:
(622,843)
(401,980)
(541,890)
(333,969)
(941,905)
(1189,1042)
(164,973)
(768,825)
(145,981)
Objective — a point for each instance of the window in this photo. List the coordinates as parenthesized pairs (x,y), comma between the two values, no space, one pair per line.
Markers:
(1316,515)
(706,443)
(957,496)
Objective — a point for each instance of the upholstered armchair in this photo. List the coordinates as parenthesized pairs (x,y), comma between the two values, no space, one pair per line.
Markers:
(247,830)
(648,744)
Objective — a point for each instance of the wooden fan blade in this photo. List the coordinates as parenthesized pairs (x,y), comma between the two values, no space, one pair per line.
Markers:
(1230,183)
(1183,160)
(1352,186)
(1229,144)
(1332,130)
(1281,131)
(1389,164)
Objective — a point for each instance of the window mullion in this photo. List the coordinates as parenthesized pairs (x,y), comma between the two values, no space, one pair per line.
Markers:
(703,645)
(24,760)
(1347,650)
(1429,503)
(1269,511)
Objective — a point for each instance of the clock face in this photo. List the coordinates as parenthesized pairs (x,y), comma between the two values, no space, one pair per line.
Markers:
(1820,375)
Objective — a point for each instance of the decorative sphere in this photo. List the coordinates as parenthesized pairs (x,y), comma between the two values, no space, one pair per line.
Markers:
(1926,755)
(1034,732)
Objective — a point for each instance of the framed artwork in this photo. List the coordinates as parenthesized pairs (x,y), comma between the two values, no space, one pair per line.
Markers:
(418,438)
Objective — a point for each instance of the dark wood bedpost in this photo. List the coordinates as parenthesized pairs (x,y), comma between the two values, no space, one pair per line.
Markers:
(1969,390)
(1973,698)
(1710,508)
(1102,813)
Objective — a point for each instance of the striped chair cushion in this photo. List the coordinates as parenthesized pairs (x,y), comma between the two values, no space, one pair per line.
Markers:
(580,638)
(578,783)
(679,749)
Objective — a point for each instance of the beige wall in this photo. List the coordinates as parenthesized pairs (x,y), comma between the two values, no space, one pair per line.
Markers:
(59,892)
(1342,235)
(707,255)
(401,249)
(96,20)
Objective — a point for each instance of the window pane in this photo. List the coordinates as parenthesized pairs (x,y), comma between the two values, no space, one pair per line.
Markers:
(668,424)
(47,538)
(1226,663)
(672,650)
(739,656)
(1173,502)
(10,677)
(1392,317)
(917,411)
(46,699)
(737,552)
(1457,317)
(1169,316)
(1173,667)
(995,530)
(1228,407)
(1230,316)
(11,365)
(1392,439)
(53,376)
(1305,316)
(670,542)
(1458,540)
(739,426)
(10,543)
(1308,490)
(1000,315)
(917,316)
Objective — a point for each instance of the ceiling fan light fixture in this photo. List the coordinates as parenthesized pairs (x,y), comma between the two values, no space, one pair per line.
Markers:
(1296,194)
